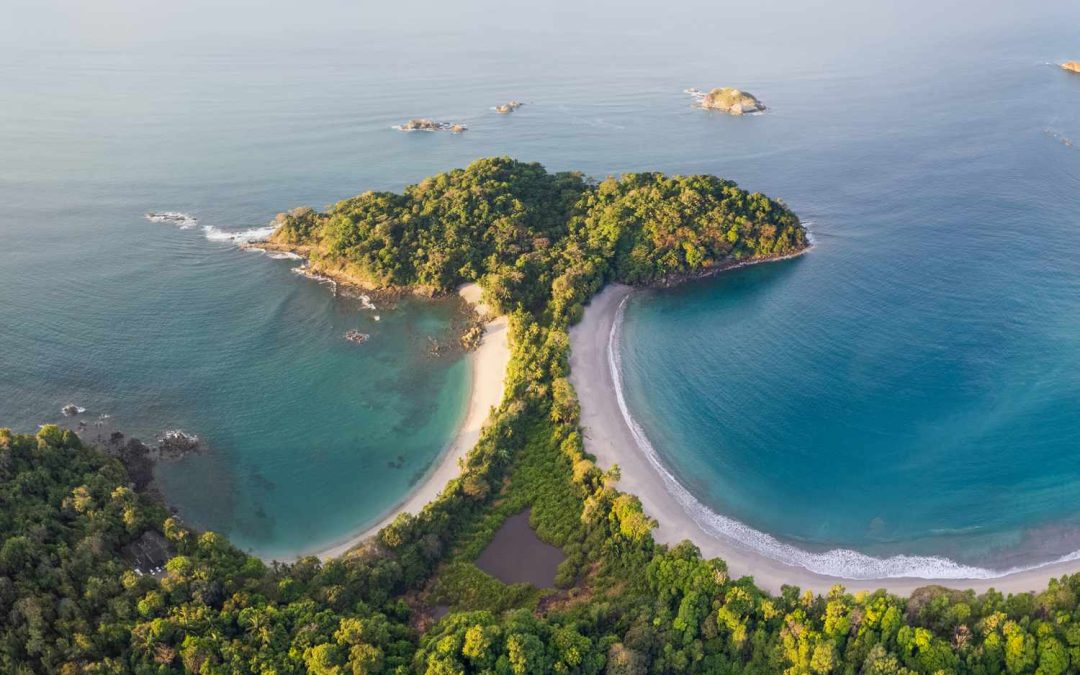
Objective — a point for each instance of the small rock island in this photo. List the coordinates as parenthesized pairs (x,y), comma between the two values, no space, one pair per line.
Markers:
(424,124)
(510,107)
(356,336)
(727,99)
(1073,66)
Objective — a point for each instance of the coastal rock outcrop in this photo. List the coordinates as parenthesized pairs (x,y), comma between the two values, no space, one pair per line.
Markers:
(508,107)
(174,444)
(424,124)
(1072,66)
(472,336)
(727,99)
(356,336)
(182,220)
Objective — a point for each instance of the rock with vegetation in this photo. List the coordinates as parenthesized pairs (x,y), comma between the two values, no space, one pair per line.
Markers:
(176,444)
(472,336)
(728,99)
(1072,66)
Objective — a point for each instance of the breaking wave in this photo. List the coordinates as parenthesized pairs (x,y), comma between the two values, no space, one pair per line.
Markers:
(249,236)
(182,220)
(1060,138)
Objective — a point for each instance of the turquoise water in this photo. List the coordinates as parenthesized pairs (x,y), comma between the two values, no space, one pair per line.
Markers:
(162,329)
(913,376)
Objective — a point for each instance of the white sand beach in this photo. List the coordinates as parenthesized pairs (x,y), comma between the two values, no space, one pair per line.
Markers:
(488,367)
(610,440)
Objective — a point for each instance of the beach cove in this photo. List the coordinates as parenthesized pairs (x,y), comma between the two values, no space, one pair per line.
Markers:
(610,438)
(488,365)
(164,327)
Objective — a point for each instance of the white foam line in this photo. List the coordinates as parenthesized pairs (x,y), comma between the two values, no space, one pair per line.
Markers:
(239,236)
(842,563)
(183,221)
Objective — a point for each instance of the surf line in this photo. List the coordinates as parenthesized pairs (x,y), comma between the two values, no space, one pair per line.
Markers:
(839,563)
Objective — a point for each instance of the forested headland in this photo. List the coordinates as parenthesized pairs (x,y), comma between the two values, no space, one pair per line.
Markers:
(540,244)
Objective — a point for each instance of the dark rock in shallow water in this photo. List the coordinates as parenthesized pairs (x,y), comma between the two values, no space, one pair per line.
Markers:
(136,457)
(71,410)
(356,336)
(174,444)
(423,124)
(184,220)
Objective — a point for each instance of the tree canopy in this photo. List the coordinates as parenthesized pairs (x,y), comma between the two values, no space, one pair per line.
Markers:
(73,600)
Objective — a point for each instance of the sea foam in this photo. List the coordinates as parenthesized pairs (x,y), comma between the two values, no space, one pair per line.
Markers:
(842,563)
(249,236)
(182,220)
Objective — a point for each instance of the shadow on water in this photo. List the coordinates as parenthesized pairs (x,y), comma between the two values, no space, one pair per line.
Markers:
(749,284)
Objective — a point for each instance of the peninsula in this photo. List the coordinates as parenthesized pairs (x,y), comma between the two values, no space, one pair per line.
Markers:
(633,595)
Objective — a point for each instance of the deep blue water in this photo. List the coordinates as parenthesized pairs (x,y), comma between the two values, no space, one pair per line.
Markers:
(914,375)
(912,385)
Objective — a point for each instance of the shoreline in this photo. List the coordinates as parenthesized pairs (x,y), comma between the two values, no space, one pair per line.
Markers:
(486,387)
(609,438)
(342,278)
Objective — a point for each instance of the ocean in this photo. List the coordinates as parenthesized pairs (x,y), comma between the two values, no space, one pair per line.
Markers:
(910,386)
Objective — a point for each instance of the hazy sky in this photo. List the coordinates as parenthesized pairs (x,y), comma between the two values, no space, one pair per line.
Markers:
(126,23)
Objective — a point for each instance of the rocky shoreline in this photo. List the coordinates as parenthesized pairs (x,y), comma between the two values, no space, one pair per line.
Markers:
(490,361)
(467,325)
(726,265)
(138,457)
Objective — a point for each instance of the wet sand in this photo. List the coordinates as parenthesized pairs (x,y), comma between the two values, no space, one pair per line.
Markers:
(609,439)
(516,555)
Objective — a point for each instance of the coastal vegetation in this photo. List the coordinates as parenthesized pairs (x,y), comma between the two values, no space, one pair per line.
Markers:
(728,99)
(541,245)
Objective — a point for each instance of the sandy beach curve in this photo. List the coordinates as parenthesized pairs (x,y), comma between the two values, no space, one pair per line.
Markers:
(488,368)
(610,440)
